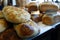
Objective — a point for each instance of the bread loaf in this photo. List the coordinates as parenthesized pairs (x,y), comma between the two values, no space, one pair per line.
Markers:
(27,30)
(48,6)
(51,19)
(48,19)
(15,15)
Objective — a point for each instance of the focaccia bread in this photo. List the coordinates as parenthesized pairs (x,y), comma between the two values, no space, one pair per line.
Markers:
(15,15)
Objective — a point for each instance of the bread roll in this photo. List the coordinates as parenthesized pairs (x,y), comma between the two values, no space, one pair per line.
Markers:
(48,19)
(1,14)
(27,30)
(3,25)
(9,34)
(48,6)
(32,7)
(15,15)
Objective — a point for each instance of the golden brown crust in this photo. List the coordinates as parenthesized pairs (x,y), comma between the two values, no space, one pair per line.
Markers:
(3,25)
(30,4)
(15,14)
(12,17)
(32,7)
(26,30)
(48,6)
(47,20)
(9,34)
(3,22)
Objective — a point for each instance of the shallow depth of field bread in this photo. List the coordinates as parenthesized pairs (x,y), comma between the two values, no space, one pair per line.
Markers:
(27,30)
(15,15)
